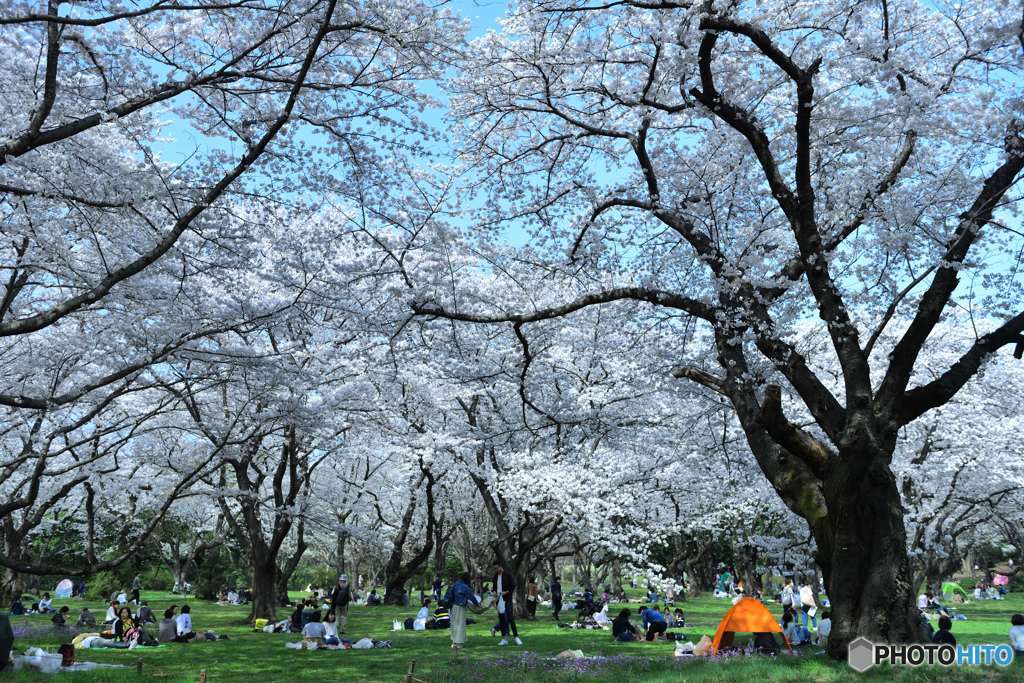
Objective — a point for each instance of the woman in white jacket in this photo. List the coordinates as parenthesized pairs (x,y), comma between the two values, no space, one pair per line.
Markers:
(808,607)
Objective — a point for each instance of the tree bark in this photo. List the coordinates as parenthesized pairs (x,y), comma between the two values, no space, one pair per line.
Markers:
(865,562)
(340,543)
(397,572)
(10,585)
(264,589)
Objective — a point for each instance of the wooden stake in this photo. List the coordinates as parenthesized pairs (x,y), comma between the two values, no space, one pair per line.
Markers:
(409,677)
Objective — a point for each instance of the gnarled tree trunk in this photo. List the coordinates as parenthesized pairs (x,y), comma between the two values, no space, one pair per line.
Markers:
(264,589)
(397,571)
(865,562)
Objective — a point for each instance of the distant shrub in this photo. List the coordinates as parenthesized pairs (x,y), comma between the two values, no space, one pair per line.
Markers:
(103,586)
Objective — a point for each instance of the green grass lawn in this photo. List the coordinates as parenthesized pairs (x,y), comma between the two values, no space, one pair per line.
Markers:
(261,657)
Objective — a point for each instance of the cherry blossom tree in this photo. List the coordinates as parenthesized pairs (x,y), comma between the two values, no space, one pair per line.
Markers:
(139,144)
(750,165)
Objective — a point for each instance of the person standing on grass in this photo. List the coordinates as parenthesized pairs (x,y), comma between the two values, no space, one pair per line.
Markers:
(136,589)
(807,604)
(532,598)
(437,588)
(458,598)
(505,587)
(788,596)
(341,596)
(556,597)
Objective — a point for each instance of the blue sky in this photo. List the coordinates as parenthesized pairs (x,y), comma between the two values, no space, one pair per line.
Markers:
(182,142)
(482,14)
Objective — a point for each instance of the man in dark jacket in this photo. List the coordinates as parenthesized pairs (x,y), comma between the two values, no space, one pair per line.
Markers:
(556,597)
(340,597)
(505,588)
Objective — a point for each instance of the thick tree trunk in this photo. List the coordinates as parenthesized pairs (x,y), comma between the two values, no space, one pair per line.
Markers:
(397,572)
(617,587)
(180,573)
(520,610)
(393,592)
(281,581)
(866,567)
(9,586)
(264,590)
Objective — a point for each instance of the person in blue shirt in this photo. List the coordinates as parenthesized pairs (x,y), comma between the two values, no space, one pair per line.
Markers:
(654,622)
(458,597)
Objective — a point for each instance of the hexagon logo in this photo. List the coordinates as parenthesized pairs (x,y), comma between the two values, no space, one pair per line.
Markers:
(860,654)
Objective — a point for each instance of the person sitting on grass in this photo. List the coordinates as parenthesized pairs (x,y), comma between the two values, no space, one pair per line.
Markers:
(373,600)
(86,618)
(421,621)
(1017,633)
(307,612)
(794,632)
(184,625)
(46,604)
(654,622)
(824,628)
(330,623)
(17,606)
(111,613)
(145,615)
(623,629)
(764,643)
(168,626)
(441,617)
(601,618)
(313,633)
(296,620)
(60,617)
(125,630)
(678,618)
(943,635)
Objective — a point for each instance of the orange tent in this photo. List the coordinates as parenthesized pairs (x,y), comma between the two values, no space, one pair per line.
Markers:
(749,615)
